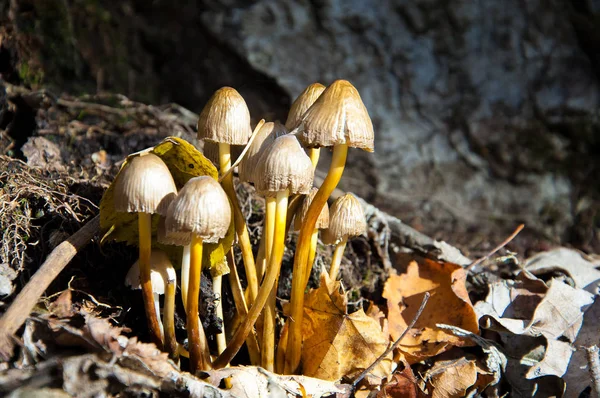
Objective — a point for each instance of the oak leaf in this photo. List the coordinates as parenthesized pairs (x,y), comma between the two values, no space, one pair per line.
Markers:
(453,378)
(337,344)
(449,304)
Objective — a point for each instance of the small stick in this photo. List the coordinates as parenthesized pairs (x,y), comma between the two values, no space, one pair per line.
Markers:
(594,367)
(58,259)
(396,343)
(500,246)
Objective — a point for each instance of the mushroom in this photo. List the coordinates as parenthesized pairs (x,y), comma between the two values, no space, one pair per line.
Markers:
(164,281)
(338,118)
(265,137)
(346,219)
(226,120)
(202,209)
(322,223)
(299,108)
(145,186)
(284,168)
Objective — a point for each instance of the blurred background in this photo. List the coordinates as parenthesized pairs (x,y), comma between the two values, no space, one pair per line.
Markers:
(485,113)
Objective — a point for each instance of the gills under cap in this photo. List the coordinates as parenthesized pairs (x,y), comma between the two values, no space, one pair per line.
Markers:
(201,207)
(144,185)
(338,116)
(225,118)
(284,165)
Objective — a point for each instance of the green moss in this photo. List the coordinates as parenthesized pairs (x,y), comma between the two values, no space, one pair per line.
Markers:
(31,77)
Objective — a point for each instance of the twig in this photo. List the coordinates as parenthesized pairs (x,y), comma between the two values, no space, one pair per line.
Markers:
(500,246)
(396,343)
(594,367)
(21,307)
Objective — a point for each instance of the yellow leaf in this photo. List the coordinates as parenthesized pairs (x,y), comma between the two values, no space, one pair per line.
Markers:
(449,304)
(184,162)
(338,344)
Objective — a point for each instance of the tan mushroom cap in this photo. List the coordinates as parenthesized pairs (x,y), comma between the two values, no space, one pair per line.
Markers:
(284,165)
(265,136)
(144,185)
(322,221)
(225,118)
(346,219)
(338,116)
(201,207)
(174,238)
(161,271)
(302,103)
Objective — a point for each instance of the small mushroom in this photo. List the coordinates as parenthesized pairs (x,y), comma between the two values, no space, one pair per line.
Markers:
(346,219)
(145,186)
(202,209)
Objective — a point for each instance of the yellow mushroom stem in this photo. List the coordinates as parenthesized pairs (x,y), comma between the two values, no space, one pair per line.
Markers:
(169,320)
(264,292)
(241,228)
(314,239)
(337,258)
(185,274)
(242,308)
(217,290)
(336,169)
(268,315)
(145,241)
(314,154)
(199,354)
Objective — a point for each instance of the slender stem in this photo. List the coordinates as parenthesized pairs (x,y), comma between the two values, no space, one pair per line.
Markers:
(197,347)
(281,347)
(241,228)
(337,258)
(271,209)
(265,289)
(145,230)
(185,274)
(217,288)
(169,320)
(261,261)
(242,308)
(314,154)
(157,311)
(267,329)
(336,169)
(314,239)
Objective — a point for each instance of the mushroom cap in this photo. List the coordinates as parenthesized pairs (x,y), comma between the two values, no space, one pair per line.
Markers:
(265,136)
(201,207)
(322,221)
(284,165)
(225,118)
(338,116)
(346,219)
(144,185)
(302,103)
(161,271)
(174,238)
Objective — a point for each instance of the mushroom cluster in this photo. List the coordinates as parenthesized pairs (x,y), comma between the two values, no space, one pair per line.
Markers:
(280,161)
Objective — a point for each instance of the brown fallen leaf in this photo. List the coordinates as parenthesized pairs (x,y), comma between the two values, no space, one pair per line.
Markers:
(337,344)
(453,378)
(402,385)
(449,304)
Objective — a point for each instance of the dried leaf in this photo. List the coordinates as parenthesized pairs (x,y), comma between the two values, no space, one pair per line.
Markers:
(449,304)
(62,306)
(338,344)
(454,377)
(402,385)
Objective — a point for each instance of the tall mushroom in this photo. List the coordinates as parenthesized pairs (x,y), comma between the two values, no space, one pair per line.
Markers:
(202,209)
(145,186)
(284,168)
(346,219)
(338,118)
(299,108)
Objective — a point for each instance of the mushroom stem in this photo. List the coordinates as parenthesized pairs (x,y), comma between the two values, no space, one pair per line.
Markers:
(217,286)
(281,347)
(336,169)
(157,311)
(145,241)
(169,320)
(314,239)
(264,292)
(197,345)
(241,228)
(337,258)
(261,261)
(242,308)
(268,325)
(185,274)
(314,154)
(271,210)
